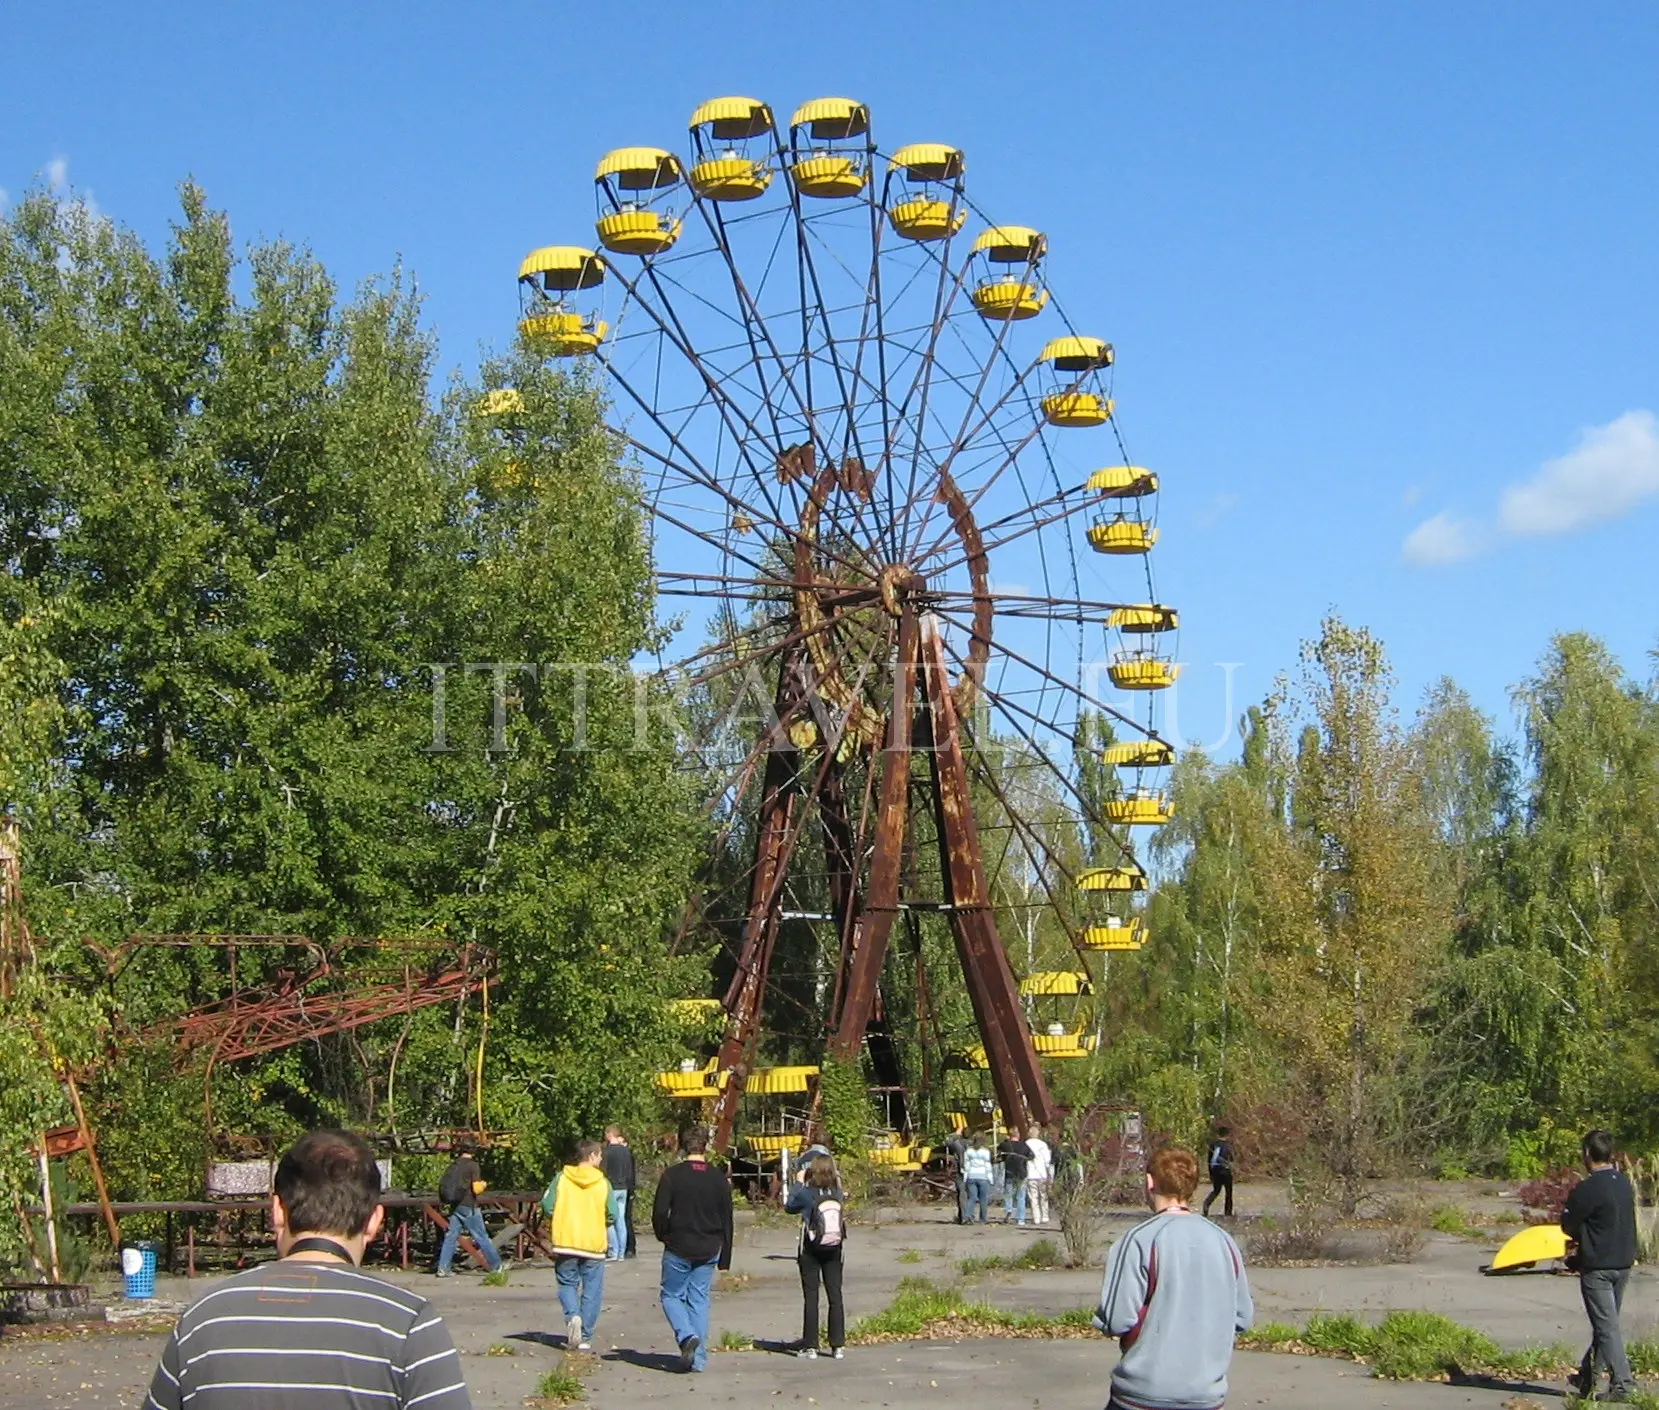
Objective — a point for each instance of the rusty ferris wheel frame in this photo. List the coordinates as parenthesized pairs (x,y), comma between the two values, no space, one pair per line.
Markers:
(842,422)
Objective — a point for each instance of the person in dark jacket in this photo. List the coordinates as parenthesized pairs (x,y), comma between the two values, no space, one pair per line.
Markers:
(618,1165)
(459,1189)
(819,1254)
(692,1218)
(1016,1165)
(1221,1170)
(956,1146)
(1601,1218)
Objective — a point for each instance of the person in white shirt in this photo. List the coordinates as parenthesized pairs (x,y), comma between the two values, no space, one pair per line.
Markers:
(976,1178)
(1038,1174)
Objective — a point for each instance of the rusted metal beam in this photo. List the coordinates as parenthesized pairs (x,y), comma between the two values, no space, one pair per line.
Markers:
(881,900)
(777,825)
(1015,1070)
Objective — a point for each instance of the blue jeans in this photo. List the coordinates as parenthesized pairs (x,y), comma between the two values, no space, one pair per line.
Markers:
(581,1288)
(687,1289)
(465,1218)
(979,1196)
(1013,1200)
(616,1237)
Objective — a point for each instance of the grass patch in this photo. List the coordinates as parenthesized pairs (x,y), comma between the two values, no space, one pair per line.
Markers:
(499,1348)
(497,1279)
(1412,1346)
(922,1308)
(1450,1219)
(559,1388)
(910,1255)
(734,1341)
(1043,1253)
(1643,1353)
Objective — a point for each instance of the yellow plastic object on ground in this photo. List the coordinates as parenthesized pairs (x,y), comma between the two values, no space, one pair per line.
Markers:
(1538,1244)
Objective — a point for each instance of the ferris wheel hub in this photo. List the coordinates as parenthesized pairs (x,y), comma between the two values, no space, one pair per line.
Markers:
(897,582)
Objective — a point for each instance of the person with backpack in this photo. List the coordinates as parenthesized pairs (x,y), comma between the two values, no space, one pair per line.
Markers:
(818,1199)
(579,1210)
(1221,1171)
(458,1192)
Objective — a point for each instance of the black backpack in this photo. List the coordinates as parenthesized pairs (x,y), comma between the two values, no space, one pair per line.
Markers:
(455,1186)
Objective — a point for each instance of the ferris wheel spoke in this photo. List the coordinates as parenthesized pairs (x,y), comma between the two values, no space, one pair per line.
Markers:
(1067,686)
(1013,713)
(1058,516)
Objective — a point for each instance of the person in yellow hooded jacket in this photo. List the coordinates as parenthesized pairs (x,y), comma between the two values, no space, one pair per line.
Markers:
(578,1205)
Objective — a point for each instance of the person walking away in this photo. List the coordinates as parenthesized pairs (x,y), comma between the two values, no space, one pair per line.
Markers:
(1175,1296)
(692,1217)
(618,1165)
(976,1178)
(1038,1174)
(818,1199)
(956,1147)
(310,1329)
(1601,1218)
(579,1208)
(458,1192)
(1221,1170)
(1016,1165)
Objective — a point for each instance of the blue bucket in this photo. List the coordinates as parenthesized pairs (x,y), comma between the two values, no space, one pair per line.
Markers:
(138,1270)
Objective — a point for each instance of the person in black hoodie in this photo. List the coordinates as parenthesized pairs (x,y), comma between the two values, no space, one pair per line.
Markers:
(1601,1218)
(692,1217)
(618,1164)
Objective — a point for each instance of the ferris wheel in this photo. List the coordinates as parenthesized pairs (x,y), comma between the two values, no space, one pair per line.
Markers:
(885,478)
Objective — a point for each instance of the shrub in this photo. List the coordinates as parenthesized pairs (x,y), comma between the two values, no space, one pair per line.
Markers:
(1307,1238)
(1402,1243)
(1547,1195)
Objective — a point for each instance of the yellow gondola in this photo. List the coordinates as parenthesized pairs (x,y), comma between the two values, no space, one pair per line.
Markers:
(1123,482)
(1541,1243)
(818,166)
(1139,754)
(690,1081)
(547,279)
(1143,808)
(1122,535)
(1142,670)
(924,191)
(731,143)
(970,1059)
(1074,401)
(1044,983)
(1010,285)
(900,1156)
(1115,934)
(1144,617)
(632,184)
(771,1147)
(779,1081)
(1058,1042)
(1112,879)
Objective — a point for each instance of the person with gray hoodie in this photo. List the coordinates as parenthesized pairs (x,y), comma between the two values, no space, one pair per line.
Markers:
(1175,1296)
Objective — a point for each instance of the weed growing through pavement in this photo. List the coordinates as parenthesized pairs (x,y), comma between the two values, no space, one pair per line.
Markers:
(734,1341)
(499,1348)
(559,1388)
(910,1255)
(1043,1253)
(496,1279)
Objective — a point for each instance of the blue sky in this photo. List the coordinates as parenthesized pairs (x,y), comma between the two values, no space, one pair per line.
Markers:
(1382,278)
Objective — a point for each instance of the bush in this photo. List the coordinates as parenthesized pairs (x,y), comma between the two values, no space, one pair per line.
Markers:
(1307,1238)
(1547,1195)
(1402,1243)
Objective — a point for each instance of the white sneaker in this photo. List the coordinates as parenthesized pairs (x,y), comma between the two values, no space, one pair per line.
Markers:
(837,1354)
(573,1332)
(808,1353)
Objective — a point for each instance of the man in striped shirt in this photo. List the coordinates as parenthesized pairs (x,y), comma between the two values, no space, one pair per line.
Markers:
(310,1329)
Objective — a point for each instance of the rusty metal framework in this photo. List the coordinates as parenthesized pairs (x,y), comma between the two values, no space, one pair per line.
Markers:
(861,498)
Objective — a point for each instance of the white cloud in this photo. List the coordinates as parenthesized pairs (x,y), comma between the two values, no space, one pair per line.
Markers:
(57,175)
(1442,539)
(1611,470)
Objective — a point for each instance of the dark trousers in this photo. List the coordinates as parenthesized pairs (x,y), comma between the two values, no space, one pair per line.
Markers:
(629,1249)
(1603,1292)
(1220,1180)
(814,1267)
